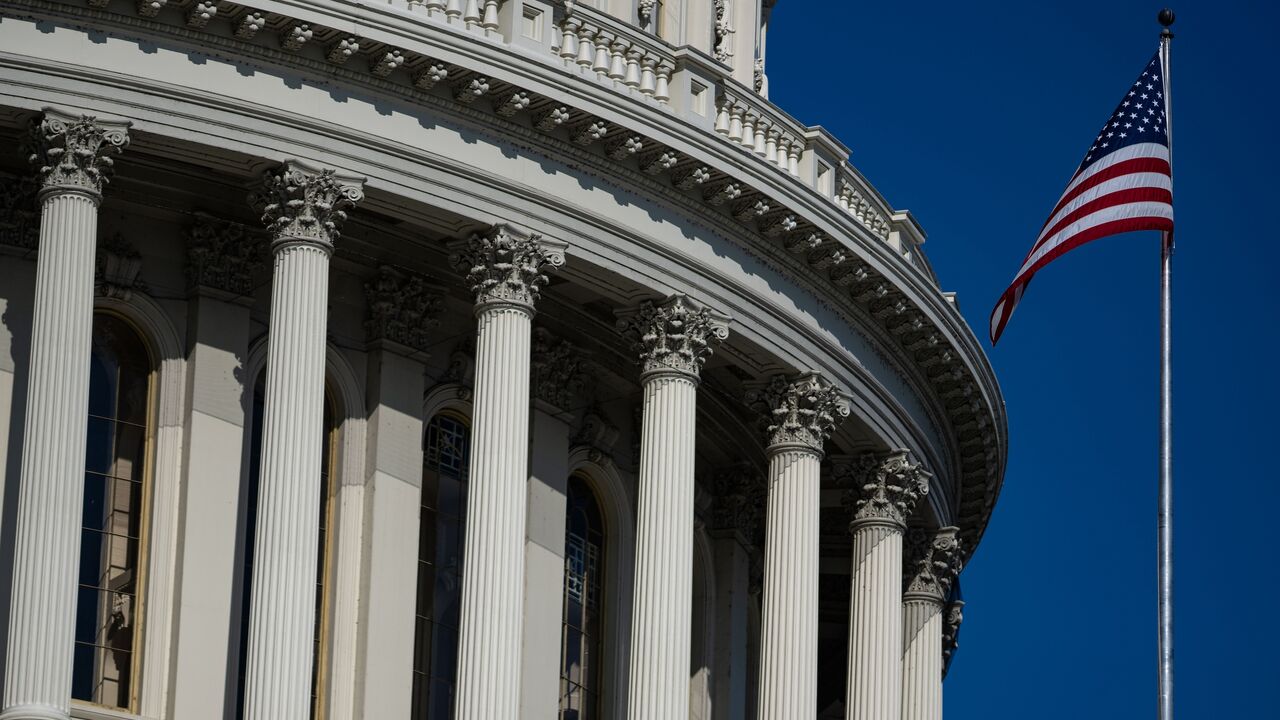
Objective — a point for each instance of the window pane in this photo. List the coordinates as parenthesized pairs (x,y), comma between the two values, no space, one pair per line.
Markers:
(111,515)
(581,639)
(446,454)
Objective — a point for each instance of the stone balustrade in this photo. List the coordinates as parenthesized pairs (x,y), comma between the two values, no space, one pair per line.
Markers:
(592,42)
(750,120)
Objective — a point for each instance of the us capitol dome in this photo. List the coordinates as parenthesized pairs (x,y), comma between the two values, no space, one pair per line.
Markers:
(464,360)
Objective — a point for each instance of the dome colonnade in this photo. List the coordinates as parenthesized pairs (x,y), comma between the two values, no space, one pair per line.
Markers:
(860,261)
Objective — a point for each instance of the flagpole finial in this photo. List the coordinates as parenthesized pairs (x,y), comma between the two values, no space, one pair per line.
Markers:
(1165,18)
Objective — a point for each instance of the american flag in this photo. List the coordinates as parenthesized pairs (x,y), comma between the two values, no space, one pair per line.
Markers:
(1124,184)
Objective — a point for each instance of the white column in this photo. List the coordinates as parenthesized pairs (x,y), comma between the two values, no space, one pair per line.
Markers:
(73,153)
(402,317)
(673,339)
(887,489)
(801,414)
(222,258)
(931,567)
(303,207)
(505,272)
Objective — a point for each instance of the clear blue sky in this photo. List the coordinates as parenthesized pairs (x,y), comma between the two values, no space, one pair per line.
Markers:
(973,116)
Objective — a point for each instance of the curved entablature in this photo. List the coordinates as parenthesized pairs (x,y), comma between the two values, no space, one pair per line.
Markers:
(631,111)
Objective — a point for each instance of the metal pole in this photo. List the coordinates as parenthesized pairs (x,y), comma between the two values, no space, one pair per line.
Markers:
(1165,512)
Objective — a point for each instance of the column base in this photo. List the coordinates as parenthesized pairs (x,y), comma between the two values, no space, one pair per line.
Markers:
(33,712)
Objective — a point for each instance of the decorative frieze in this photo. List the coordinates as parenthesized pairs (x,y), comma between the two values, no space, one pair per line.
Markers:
(402,309)
(511,102)
(471,89)
(658,161)
(74,153)
(386,63)
(250,25)
(722,192)
(222,256)
(551,118)
(738,501)
(301,203)
(624,146)
(117,266)
(691,177)
(675,336)
(932,561)
(887,488)
(295,36)
(751,209)
(801,411)
(803,242)
(201,13)
(559,372)
(19,213)
(777,224)
(503,267)
(588,130)
(151,8)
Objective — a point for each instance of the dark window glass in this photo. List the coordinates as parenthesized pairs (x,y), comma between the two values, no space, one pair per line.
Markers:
(106,628)
(446,454)
(583,630)
(328,448)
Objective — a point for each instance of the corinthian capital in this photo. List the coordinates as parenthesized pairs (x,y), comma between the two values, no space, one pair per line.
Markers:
(887,487)
(676,336)
(932,561)
(305,204)
(73,154)
(402,309)
(507,269)
(801,411)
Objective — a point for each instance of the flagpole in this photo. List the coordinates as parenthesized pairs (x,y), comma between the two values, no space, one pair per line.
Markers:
(1165,512)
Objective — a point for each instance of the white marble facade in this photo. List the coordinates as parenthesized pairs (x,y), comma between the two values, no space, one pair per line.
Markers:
(463,360)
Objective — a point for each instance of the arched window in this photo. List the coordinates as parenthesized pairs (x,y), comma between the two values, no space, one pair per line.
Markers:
(115,499)
(325,508)
(582,634)
(446,452)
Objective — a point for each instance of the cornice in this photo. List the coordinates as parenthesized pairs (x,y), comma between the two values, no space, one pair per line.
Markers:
(886,296)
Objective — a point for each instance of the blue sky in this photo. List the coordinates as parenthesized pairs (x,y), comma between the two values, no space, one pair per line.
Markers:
(973,116)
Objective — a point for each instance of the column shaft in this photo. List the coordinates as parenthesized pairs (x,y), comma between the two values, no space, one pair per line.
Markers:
(283,615)
(922,658)
(874,689)
(664,551)
(43,609)
(789,628)
(493,566)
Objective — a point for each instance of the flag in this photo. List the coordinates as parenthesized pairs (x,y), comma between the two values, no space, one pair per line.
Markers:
(1124,184)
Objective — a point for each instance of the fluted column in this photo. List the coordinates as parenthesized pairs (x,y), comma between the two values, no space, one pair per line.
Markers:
(303,207)
(801,414)
(674,339)
(887,490)
(505,271)
(72,157)
(932,564)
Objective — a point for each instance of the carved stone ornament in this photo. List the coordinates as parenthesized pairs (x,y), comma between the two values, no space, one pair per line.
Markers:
(932,561)
(507,269)
(952,617)
(19,213)
(676,336)
(597,433)
(402,309)
(300,203)
(738,501)
(644,9)
(558,370)
(801,411)
(74,153)
(887,487)
(223,256)
(724,32)
(117,266)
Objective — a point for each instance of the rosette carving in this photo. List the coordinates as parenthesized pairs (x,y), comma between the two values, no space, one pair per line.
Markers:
(800,411)
(300,203)
(675,336)
(932,561)
(506,268)
(74,153)
(887,487)
(402,309)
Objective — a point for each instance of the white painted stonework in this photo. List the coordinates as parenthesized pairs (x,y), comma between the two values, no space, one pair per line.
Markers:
(550,371)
